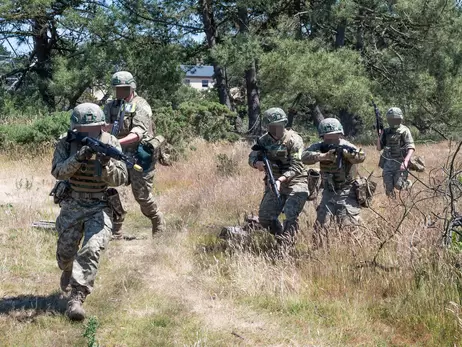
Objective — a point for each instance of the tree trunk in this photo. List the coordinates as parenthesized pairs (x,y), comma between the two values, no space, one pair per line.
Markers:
(316,114)
(42,49)
(351,123)
(253,98)
(340,35)
(211,34)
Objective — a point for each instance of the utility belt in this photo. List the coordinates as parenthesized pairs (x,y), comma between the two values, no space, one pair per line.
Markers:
(102,196)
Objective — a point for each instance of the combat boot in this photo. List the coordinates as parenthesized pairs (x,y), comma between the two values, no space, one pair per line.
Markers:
(65,279)
(117,231)
(158,223)
(75,309)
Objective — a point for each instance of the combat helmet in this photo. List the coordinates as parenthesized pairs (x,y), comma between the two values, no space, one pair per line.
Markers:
(274,115)
(87,114)
(330,126)
(395,113)
(123,79)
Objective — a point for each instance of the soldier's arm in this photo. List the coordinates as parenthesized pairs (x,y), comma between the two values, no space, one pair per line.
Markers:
(408,145)
(356,157)
(381,141)
(312,154)
(115,173)
(142,122)
(253,158)
(295,158)
(63,167)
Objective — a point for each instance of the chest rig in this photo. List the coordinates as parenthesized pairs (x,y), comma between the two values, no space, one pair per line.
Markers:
(394,144)
(88,178)
(335,178)
(279,155)
(130,111)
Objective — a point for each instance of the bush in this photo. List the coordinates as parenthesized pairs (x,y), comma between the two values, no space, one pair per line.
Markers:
(41,130)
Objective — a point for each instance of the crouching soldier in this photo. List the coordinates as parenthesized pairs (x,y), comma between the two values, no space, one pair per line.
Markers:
(283,149)
(85,213)
(338,161)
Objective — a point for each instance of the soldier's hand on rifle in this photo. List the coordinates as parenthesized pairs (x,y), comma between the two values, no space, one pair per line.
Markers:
(103,159)
(349,155)
(84,153)
(328,156)
(259,165)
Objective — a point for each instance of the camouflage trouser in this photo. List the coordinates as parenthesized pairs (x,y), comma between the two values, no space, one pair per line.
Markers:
(141,183)
(341,205)
(293,198)
(393,177)
(92,221)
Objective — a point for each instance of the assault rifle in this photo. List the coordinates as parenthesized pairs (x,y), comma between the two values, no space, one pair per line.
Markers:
(269,173)
(103,149)
(325,147)
(119,122)
(378,118)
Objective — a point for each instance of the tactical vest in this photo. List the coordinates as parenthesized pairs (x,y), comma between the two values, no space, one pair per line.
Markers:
(88,178)
(278,155)
(130,111)
(394,144)
(334,178)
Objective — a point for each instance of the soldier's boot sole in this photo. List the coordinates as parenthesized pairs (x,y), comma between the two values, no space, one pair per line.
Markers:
(75,311)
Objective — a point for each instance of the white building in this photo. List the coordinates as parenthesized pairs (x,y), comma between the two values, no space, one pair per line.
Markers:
(198,76)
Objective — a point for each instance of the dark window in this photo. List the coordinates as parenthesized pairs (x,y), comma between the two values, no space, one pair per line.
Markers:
(205,83)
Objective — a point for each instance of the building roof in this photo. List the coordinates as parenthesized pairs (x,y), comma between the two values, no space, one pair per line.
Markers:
(198,70)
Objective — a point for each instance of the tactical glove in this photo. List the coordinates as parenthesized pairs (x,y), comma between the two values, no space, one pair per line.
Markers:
(85,153)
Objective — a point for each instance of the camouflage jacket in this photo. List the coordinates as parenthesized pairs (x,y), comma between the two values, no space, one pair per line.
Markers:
(333,177)
(284,156)
(138,120)
(65,165)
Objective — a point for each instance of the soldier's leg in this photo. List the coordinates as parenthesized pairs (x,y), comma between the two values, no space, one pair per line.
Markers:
(388,175)
(69,226)
(348,211)
(97,233)
(118,212)
(324,213)
(269,212)
(292,208)
(141,183)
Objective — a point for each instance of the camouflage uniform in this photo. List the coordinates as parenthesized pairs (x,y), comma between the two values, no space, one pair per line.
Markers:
(395,142)
(85,213)
(284,156)
(138,120)
(338,198)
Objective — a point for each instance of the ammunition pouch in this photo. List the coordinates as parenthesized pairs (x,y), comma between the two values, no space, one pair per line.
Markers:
(364,190)
(158,148)
(314,182)
(60,191)
(114,202)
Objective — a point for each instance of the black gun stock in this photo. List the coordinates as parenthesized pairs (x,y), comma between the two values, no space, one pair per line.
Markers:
(269,173)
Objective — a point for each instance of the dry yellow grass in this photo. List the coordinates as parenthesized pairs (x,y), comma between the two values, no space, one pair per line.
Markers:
(187,287)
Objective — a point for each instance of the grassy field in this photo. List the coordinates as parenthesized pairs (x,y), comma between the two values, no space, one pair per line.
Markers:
(389,283)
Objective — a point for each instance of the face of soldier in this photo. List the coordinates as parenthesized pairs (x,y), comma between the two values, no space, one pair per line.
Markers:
(394,122)
(123,92)
(88,130)
(276,130)
(331,139)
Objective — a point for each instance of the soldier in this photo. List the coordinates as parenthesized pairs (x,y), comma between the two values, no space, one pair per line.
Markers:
(338,174)
(137,127)
(284,148)
(85,212)
(398,146)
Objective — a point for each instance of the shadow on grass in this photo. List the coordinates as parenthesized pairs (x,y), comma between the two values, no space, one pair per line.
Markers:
(28,307)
